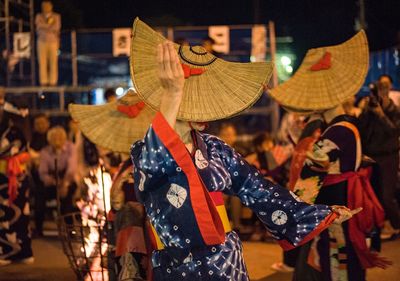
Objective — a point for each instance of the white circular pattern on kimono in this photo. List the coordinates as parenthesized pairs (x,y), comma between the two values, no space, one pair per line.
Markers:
(175,227)
(183,274)
(178,169)
(279,217)
(210,272)
(168,270)
(187,241)
(213,249)
(176,195)
(200,161)
(142,180)
(235,174)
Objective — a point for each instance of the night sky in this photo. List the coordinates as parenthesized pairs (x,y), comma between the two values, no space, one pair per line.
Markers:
(311,23)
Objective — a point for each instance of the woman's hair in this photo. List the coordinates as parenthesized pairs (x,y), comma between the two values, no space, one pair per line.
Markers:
(54,131)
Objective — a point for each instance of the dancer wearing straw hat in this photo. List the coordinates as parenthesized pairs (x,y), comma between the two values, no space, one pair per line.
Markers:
(332,173)
(180,172)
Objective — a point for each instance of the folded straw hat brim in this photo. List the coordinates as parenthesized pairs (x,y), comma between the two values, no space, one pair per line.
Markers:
(310,90)
(107,127)
(223,89)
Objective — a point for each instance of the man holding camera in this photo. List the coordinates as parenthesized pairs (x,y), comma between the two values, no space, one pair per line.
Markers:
(380,130)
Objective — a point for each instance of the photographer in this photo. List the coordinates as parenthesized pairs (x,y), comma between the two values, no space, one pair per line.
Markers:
(380,128)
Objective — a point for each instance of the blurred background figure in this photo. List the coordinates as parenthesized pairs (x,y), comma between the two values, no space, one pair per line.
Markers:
(380,128)
(57,170)
(393,95)
(229,135)
(350,108)
(7,65)
(48,25)
(263,158)
(41,125)
(291,126)
(15,241)
(110,95)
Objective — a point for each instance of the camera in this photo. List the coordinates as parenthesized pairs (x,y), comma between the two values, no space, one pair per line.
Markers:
(374,99)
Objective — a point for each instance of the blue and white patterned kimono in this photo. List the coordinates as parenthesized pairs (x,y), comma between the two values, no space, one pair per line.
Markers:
(170,187)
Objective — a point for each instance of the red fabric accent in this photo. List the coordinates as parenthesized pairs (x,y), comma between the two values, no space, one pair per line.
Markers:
(323,64)
(189,71)
(13,171)
(286,245)
(131,110)
(130,239)
(205,211)
(361,194)
(217,198)
(111,216)
(299,156)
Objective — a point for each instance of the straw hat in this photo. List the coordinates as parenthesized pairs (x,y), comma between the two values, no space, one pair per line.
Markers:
(115,125)
(214,89)
(327,77)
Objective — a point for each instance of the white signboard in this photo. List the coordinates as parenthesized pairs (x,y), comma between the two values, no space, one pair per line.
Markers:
(22,45)
(121,41)
(220,34)
(258,43)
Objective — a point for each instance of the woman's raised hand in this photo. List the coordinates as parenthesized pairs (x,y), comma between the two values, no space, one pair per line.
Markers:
(170,70)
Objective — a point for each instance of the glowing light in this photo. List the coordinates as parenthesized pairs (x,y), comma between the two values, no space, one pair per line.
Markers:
(119,91)
(289,69)
(285,60)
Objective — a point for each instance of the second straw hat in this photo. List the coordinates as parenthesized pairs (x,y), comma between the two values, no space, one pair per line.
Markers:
(214,88)
(327,77)
(115,125)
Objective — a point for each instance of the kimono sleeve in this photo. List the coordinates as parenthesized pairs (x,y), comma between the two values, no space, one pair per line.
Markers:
(291,221)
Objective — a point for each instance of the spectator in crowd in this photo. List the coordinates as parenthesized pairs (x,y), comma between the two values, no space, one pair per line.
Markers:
(290,128)
(7,65)
(229,135)
(110,95)
(48,25)
(350,108)
(393,95)
(263,158)
(380,128)
(57,170)
(41,125)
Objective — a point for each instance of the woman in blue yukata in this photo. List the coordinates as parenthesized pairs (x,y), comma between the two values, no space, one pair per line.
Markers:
(180,172)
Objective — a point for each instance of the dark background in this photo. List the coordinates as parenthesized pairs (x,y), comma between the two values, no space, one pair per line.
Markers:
(311,23)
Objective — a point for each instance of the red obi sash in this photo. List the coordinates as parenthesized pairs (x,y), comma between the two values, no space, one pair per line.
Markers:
(361,194)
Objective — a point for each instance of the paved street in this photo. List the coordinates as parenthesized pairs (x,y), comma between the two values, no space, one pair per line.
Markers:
(51,265)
